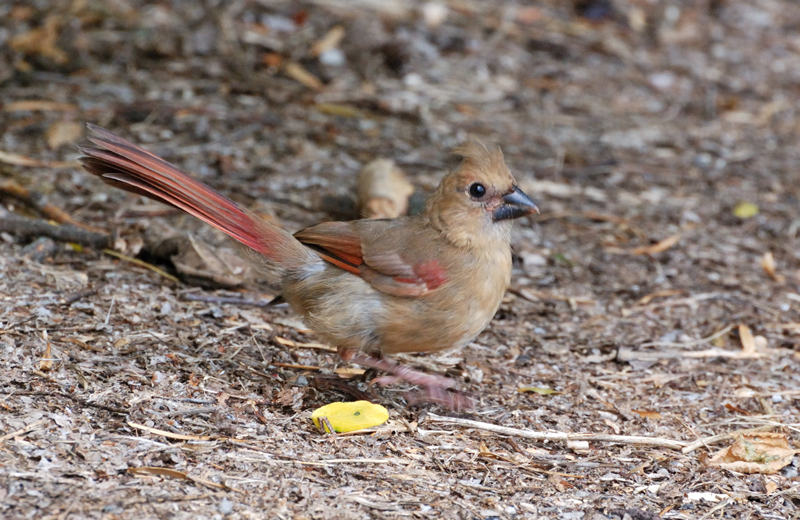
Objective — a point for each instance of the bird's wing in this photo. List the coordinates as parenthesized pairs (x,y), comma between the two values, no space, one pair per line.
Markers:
(381,252)
(336,242)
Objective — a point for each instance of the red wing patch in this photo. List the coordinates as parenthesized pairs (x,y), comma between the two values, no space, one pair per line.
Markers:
(431,273)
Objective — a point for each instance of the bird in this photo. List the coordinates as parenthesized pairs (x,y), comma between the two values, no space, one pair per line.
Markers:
(371,287)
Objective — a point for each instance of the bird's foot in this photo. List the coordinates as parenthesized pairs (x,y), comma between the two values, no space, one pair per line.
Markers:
(398,372)
(450,399)
(433,388)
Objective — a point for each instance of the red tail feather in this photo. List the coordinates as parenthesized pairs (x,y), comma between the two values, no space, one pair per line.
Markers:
(125,165)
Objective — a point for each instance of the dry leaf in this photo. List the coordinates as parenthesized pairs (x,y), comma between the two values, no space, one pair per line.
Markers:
(291,397)
(348,372)
(63,132)
(611,424)
(383,190)
(768,264)
(42,41)
(770,487)
(748,342)
(659,247)
(755,453)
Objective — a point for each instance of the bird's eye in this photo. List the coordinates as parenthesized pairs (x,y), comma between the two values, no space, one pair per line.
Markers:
(477,190)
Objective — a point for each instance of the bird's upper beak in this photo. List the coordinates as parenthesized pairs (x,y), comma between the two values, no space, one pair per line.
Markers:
(515,204)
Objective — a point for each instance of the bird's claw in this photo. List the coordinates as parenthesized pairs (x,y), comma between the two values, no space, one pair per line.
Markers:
(452,400)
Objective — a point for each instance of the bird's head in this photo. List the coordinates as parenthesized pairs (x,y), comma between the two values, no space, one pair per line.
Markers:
(479,200)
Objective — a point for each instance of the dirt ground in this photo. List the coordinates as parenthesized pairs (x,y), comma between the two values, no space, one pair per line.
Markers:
(656,295)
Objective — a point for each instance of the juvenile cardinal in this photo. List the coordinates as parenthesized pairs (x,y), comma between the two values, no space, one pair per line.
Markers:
(371,287)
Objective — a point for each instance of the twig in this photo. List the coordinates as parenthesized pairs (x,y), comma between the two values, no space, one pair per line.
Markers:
(82,402)
(689,301)
(689,343)
(141,263)
(559,436)
(39,202)
(193,411)
(110,307)
(21,160)
(26,228)
(716,439)
(222,300)
(74,297)
(25,429)
(717,507)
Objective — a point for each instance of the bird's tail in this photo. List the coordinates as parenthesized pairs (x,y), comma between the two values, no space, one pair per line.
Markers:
(131,168)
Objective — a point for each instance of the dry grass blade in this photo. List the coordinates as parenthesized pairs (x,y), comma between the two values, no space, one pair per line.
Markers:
(167,472)
(142,263)
(316,346)
(23,430)
(32,105)
(170,435)
(298,73)
(658,247)
(21,160)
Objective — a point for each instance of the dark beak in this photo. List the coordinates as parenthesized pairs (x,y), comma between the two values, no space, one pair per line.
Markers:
(515,204)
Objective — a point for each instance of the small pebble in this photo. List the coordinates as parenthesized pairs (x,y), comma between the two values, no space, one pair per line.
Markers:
(332,58)
(225,507)
(777,398)
(703,160)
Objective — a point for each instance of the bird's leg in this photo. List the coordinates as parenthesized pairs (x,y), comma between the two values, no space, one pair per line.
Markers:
(398,371)
(434,388)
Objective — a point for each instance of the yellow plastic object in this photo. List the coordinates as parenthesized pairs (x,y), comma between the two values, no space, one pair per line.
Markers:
(348,417)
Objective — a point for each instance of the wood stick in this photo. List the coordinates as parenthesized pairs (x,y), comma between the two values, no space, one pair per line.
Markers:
(26,228)
(559,436)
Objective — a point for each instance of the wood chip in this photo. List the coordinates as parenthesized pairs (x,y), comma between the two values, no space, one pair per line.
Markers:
(330,41)
(298,73)
(658,247)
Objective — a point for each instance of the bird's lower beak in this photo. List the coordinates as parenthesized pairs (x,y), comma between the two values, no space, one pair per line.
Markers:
(515,204)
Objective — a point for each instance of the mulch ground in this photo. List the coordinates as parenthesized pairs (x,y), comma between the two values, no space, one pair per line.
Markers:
(657,295)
